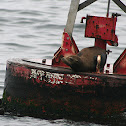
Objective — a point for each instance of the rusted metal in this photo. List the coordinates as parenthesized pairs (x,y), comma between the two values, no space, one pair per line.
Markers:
(120,64)
(42,90)
(82,19)
(46,75)
(101,28)
(88,108)
(100,43)
(67,48)
(73,107)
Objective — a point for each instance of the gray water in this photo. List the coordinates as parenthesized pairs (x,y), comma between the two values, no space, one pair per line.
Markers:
(33,29)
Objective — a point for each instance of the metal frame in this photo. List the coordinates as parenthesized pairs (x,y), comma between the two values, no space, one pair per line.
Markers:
(75,7)
(88,2)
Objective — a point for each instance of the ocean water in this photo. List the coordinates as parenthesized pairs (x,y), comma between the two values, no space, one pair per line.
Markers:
(33,29)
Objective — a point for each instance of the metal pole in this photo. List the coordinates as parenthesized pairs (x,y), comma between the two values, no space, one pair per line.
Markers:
(108,8)
(72,16)
(121,5)
(85,4)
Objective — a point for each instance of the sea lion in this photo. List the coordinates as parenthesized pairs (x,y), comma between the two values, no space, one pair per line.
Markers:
(86,59)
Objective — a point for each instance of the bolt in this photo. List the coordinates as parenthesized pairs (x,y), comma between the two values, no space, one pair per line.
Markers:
(67,38)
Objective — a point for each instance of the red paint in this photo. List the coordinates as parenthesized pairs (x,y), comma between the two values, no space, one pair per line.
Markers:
(72,79)
(20,71)
(120,64)
(82,19)
(67,48)
(43,109)
(9,99)
(100,43)
(101,27)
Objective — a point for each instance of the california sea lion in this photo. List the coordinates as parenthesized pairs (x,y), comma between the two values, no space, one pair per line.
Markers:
(86,59)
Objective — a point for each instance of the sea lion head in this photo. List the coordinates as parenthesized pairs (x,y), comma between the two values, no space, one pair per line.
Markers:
(74,62)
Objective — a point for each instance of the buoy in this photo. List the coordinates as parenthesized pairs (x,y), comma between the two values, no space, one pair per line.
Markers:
(1,108)
(1,111)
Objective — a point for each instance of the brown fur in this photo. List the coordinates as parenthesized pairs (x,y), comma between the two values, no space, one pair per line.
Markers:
(86,59)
